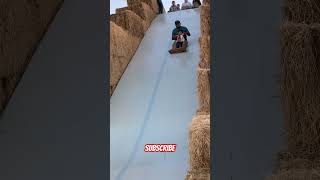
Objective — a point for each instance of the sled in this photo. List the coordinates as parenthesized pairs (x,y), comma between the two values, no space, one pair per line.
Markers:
(175,50)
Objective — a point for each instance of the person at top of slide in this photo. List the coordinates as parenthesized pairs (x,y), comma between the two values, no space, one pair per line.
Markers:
(196,3)
(175,33)
(186,5)
(173,7)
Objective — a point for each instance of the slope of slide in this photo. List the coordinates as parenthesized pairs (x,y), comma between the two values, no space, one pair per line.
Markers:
(154,102)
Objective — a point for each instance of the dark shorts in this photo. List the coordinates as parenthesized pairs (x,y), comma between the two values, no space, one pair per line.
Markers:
(179,44)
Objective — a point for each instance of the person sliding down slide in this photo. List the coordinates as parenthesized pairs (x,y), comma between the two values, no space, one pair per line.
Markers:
(178,45)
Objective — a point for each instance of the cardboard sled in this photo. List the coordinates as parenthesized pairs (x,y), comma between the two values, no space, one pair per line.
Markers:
(179,50)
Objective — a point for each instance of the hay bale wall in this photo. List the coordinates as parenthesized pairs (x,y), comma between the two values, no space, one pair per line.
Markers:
(129,21)
(127,25)
(203,89)
(204,52)
(22,25)
(199,147)
(121,52)
(205,20)
(142,10)
(300,89)
(300,86)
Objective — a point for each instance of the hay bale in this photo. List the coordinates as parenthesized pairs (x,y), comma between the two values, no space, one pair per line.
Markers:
(142,10)
(205,20)
(202,174)
(129,21)
(204,42)
(300,88)
(121,10)
(153,4)
(123,46)
(302,11)
(203,88)
(199,143)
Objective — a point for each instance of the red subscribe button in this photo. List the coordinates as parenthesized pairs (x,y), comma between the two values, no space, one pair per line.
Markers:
(160,147)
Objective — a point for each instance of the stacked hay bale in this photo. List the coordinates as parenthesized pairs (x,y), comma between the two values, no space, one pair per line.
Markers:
(120,52)
(129,24)
(22,25)
(199,148)
(199,131)
(300,88)
(142,10)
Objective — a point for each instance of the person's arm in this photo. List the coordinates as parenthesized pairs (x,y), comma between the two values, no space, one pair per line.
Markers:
(174,36)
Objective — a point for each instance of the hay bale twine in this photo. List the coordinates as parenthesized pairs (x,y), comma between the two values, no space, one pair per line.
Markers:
(300,88)
(204,42)
(205,20)
(203,89)
(302,11)
(129,21)
(121,52)
(199,143)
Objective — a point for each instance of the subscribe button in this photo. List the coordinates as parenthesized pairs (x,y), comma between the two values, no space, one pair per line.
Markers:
(160,147)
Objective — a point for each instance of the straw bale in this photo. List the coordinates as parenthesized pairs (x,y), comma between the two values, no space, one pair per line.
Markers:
(204,42)
(129,21)
(302,11)
(123,46)
(152,4)
(300,88)
(202,174)
(143,10)
(203,88)
(199,143)
(205,20)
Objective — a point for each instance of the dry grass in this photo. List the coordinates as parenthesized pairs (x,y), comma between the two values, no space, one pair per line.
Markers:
(129,21)
(203,88)
(302,11)
(205,20)
(22,25)
(204,42)
(300,86)
(123,45)
(199,143)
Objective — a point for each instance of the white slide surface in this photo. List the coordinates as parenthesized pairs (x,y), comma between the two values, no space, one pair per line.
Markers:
(154,102)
